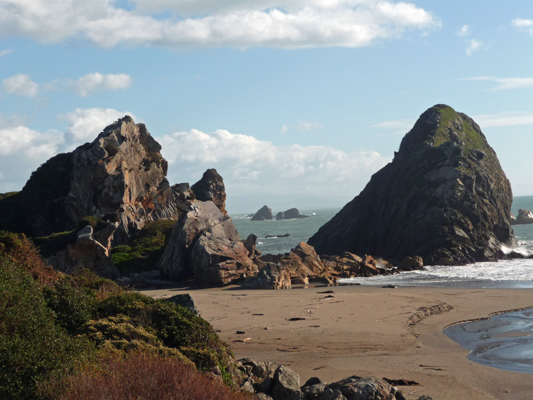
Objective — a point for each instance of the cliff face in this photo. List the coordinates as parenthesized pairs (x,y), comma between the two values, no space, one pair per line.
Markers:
(444,197)
(120,177)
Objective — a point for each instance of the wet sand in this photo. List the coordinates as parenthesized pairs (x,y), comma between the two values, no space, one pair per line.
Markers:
(366,331)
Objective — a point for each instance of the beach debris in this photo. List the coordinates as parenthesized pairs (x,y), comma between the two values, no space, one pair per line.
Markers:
(242,340)
(297,319)
(240,332)
(258,314)
(328,297)
(326,292)
(401,382)
(389,287)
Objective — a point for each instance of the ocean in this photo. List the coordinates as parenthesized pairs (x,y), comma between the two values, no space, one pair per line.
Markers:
(504,341)
(501,274)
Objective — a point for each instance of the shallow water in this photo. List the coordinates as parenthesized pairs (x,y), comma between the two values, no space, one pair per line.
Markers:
(504,341)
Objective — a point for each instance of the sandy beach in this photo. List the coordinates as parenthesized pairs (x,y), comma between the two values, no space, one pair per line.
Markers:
(366,331)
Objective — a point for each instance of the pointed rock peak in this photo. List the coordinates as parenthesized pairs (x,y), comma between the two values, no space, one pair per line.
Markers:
(211,188)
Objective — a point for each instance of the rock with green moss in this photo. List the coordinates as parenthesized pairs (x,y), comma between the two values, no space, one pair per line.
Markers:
(444,197)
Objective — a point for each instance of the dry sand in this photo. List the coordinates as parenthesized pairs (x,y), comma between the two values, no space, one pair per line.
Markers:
(366,331)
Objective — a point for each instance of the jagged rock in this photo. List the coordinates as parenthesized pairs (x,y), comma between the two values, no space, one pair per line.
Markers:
(250,244)
(205,244)
(287,385)
(313,388)
(444,197)
(184,300)
(357,388)
(303,261)
(411,263)
(87,253)
(292,213)
(523,217)
(264,213)
(119,177)
(330,394)
(271,276)
(211,188)
(263,396)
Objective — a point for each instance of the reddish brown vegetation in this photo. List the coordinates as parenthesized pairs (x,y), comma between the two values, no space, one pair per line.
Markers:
(19,249)
(141,376)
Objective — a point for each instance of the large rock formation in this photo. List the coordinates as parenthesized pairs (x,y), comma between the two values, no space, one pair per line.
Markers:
(118,177)
(205,245)
(264,213)
(444,197)
(524,217)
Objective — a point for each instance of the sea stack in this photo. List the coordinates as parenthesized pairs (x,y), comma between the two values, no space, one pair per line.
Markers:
(444,197)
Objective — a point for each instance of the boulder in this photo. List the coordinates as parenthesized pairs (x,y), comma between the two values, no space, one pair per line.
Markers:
(444,197)
(250,244)
(119,177)
(313,388)
(86,252)
(411,263)
(264,213)
(292,213)
(287,385)
(211,188)
(523,217)
(357,388)
(184,300)
(271,276)
(205,244)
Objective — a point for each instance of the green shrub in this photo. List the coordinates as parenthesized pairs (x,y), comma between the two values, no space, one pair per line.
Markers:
(73,307)
(32,346)
(175,326)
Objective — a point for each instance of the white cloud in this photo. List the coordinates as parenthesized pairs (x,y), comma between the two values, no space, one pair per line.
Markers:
(86,124)
(473,45)
(504,119)
(23,149)
(464,31)
(96,82)
(308,126)
(251,166)
(20,85)
(400,125)
(287,24)
(284,128)
(505,83)
(525,25)
(5,52)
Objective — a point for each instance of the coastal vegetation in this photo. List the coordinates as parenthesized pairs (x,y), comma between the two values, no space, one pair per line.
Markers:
(82,336)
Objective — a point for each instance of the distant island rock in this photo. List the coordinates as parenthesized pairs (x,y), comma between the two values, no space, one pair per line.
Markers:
(264,213)
(292,213)
(444,197)
(524,217)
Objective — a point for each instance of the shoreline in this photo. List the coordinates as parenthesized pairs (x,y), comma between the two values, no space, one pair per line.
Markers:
(366,331)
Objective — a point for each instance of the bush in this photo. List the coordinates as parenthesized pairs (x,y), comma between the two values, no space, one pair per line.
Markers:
(19,249)
(32,346)
(72,307)
(175,326)
(140,375)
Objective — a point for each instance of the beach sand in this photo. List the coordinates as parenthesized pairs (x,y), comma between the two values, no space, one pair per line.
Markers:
(366,331)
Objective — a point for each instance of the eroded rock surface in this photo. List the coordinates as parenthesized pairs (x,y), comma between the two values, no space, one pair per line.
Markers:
(211,188)
(444,197)
(523,217)
(205,245)
(292,213)
(119,177)
(264,213)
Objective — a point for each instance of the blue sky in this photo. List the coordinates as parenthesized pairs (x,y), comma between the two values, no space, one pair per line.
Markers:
(296,103)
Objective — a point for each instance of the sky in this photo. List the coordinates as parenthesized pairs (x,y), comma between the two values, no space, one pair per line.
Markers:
(295,103)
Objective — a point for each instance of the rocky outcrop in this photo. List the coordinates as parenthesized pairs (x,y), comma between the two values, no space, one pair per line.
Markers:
(205,244)
(292,213)
(87,253)
(264,213)
(211,188)
(278,382)
(271,276)
(119,177)
(524,217)
(444,197)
